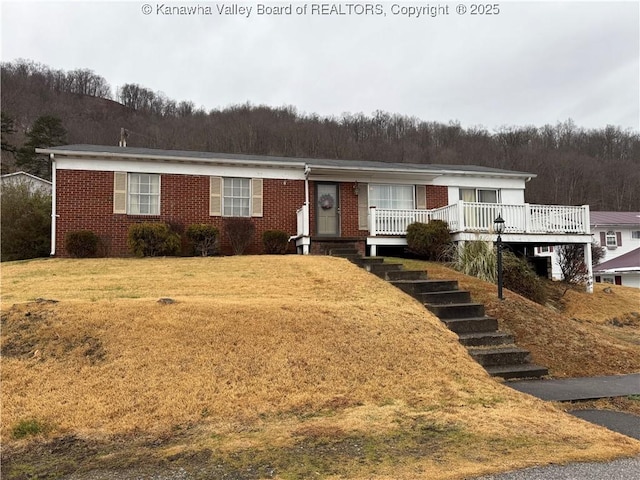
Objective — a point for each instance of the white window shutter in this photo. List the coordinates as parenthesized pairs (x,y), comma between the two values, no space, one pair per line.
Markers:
(421,197)
(256,197)
(363,206)
(215,196)
(120,192)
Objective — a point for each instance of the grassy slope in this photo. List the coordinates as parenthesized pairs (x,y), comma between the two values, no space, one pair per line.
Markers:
(301,365)
(576,338)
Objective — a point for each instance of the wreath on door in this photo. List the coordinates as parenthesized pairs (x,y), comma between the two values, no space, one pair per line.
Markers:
(326,202)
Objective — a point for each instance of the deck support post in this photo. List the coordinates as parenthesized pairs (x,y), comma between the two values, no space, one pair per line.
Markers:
(587,261)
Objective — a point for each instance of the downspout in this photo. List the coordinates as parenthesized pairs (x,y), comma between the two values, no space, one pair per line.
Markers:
(53,204)
(307,171)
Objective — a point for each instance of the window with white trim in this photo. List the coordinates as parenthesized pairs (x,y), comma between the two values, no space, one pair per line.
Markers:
(611,239)
(635,234)
(400,197)
(143,194)
(236,198)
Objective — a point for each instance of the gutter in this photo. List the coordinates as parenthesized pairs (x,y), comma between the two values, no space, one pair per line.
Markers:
(54,215)
(137,156)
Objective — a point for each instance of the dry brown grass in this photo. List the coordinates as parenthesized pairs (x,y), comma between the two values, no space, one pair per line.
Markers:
(263,359)
(574,340)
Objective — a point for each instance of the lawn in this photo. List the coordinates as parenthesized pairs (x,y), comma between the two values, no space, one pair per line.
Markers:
(264,367)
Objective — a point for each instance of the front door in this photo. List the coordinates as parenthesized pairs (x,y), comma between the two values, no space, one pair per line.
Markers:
(327,210)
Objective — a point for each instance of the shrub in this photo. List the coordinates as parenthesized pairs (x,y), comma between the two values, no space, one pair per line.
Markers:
(152,240)
(81,243)
(204,238)
(25,229)
(477,258)
(429,240)
(275,242)
(571,261)
(240,232)
(519,277)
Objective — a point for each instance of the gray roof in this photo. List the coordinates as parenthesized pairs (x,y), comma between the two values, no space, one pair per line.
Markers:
(187,155)
(615,218)
(628,260)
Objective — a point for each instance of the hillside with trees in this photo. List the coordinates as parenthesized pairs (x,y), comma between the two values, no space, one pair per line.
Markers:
(574,166)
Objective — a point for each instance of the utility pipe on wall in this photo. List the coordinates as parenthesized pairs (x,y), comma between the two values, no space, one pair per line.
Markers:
(53,204)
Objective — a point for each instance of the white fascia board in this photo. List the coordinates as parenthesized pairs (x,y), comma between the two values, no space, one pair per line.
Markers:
(368,175)
(388,178)
(168,158)
(530,238)
(616,271)
(168,167)
(619,226)
(471,181)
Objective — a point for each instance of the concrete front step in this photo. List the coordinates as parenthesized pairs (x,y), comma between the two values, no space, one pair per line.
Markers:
(364,261)
(381,269)
(527,370)
(339,252)
(353,257)
(485,339)
(440,298)
(472,325)
(496,356)
(406,275)
(415,287)
(457,310)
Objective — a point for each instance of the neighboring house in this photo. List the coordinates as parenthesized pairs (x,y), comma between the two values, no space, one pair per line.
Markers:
(33,183)
(319,202)
(621,270)
(618,232)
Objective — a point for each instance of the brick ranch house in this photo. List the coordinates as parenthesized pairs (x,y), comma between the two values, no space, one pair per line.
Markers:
(318,202)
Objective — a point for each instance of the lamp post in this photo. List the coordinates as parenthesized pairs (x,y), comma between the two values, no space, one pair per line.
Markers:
(499,227)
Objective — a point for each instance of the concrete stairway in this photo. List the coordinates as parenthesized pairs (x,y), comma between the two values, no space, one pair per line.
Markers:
(494,350)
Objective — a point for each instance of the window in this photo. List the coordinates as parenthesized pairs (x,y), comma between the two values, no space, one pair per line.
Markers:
(611,239)
(400,197)
(635,234)
(144,194)
(479,195)
(236,199)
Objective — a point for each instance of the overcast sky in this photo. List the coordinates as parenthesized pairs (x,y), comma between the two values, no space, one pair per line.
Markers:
(527,63)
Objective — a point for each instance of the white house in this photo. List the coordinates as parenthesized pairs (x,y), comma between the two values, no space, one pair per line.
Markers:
(621,270)
(619,233)
(33,183)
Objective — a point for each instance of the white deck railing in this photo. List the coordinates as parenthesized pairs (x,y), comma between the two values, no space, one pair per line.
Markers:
(479,217)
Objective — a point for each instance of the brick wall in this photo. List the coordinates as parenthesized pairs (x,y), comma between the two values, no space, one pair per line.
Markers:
(437,196)
(84,200)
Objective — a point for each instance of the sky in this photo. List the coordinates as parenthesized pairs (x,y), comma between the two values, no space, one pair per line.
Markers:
(492,65)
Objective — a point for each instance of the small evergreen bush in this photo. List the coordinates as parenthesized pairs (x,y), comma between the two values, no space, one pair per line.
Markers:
(25,223)
(205,238)
(81,243)
(275,242)
(152,240)
(429,240)
(519,277)
(240,231)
